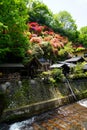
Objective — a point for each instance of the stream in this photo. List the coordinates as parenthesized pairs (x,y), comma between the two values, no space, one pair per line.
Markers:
(69,117)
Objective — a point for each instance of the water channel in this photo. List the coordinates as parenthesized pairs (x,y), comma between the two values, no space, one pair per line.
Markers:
(69,117)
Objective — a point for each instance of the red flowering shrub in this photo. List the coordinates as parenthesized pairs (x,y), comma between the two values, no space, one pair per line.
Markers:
(43,36)
(36,40)
(35,27)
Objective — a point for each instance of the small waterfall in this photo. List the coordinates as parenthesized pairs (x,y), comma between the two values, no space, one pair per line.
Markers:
(70,88)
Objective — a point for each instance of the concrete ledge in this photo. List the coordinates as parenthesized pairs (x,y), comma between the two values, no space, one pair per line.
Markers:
(25,112)
(34,109)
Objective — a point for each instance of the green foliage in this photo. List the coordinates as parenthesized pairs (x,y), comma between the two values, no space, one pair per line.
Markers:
(79,49)
(61,22)
(67,25)
(14,39)
(47,48)
(45,76)
(66,49)
(78,72)
(78,69)
(78,76)
(3,27)
(57,74)
(52,80)
(37,51)
(53,76)
(13,16)
(83,36)
(55,24)
(39,12)
(20,95)
(66,21)
(83,30)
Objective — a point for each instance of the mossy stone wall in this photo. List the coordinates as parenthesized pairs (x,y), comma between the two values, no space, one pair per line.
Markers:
(36,96)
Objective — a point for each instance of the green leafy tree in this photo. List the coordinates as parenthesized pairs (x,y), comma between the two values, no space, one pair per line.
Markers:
(13,41)
(68,26)
(83,36)
(62,22)
(39,12)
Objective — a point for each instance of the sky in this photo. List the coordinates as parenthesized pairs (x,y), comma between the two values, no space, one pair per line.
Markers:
(77,9)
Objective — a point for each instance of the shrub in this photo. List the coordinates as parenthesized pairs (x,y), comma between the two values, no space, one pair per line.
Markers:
(78,72)
(52,76)
(78,69)
(57,74)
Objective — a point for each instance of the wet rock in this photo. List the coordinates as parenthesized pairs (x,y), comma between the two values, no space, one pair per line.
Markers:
(4,127)
(27,128)
(2,103)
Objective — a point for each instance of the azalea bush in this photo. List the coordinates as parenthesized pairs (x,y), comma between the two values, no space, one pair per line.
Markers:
(47,40)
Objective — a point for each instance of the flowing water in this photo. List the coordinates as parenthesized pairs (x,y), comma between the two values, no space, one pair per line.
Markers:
(69,117)
(67,84)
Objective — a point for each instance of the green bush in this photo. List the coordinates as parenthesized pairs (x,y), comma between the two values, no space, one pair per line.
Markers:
(78,72)
(78,69)
(57,74)
(52,80)
(53,76)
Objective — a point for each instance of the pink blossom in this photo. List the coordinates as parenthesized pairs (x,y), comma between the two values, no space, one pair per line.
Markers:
(36,40)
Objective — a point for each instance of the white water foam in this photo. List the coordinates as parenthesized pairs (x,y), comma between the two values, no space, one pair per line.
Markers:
(83,102)
(19,125)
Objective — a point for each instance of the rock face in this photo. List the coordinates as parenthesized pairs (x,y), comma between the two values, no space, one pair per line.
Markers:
(2,103)
(2,100)
(4,126)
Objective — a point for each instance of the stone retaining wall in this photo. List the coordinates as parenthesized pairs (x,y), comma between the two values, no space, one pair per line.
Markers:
(34,109)
(52,101)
